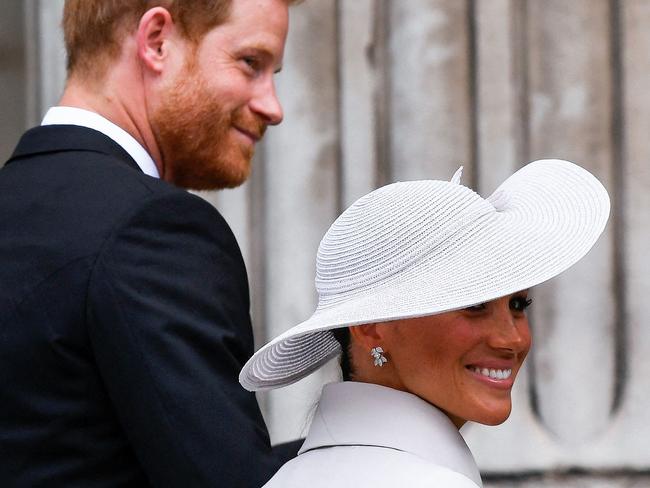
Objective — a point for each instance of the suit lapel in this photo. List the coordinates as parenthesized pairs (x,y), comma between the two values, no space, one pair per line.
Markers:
(58,138)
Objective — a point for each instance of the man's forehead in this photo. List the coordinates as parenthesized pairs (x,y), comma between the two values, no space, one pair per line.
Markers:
(255,31)
(272,11)
(261,17)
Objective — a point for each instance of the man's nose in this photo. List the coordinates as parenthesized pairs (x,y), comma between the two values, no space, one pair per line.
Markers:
(265,104)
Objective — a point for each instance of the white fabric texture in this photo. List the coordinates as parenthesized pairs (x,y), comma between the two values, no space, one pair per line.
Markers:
(366,435)
(92,120)
(419,248)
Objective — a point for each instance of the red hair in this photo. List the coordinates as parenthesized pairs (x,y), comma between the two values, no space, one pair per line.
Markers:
(94,29)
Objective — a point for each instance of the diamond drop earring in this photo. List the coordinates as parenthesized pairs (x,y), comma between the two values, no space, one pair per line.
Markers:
(377,354)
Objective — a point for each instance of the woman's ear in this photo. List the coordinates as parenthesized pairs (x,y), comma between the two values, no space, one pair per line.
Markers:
(154,31)
(370,342)
(368,335)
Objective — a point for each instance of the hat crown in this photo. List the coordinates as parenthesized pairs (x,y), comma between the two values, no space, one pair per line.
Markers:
(389,230)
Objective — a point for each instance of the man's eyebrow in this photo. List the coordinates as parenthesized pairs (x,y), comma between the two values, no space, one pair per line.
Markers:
(259,47)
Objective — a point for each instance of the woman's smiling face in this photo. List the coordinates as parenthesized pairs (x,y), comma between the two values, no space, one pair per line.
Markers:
(463,362)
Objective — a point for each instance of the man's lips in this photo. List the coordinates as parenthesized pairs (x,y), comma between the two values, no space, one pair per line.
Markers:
(253,136)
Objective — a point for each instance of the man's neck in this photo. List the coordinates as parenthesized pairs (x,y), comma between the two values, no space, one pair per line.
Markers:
(99,98)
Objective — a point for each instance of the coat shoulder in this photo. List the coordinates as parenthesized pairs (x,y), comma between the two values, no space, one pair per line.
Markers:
(376,467)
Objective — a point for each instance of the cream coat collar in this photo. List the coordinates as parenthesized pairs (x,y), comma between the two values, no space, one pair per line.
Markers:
(352,413)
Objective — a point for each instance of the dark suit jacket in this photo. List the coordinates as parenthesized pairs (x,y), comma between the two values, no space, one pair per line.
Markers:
(124,322)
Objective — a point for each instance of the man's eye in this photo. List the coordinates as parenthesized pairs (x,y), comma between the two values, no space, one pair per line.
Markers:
(252,62)
(520,303)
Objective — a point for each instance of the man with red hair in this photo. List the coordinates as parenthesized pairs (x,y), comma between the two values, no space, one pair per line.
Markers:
(124,307)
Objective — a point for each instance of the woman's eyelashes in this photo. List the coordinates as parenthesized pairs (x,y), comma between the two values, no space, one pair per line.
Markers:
(520,303)
(516,303)
(477,308)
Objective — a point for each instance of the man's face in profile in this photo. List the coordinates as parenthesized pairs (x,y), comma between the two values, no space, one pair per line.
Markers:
(209,119)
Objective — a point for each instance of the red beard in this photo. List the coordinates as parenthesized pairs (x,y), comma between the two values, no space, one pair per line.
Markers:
(195,134)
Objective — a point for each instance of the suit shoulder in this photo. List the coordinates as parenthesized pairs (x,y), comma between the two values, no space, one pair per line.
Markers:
(76,200)
(92,182)
(120,183)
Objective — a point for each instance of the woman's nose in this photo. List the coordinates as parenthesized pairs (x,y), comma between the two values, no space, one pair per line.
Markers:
(510,331)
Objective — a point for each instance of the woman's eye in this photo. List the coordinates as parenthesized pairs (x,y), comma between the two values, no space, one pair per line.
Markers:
(520,304)
(477,308)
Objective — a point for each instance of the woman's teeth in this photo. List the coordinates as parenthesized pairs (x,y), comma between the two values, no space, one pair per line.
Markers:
(495,374)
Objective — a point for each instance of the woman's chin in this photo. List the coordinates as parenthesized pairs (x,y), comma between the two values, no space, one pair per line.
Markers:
(494,421)
(496,415)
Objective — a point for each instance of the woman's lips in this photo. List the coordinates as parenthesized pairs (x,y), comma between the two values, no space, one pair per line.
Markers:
(495,374)
(497,377)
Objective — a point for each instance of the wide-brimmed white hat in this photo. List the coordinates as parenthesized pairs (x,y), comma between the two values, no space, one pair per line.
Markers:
(418,248)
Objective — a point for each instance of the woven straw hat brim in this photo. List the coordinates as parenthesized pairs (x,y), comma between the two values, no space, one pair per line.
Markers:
(538,223)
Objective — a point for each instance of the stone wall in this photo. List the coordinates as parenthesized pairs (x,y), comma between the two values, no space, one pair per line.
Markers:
(381,90)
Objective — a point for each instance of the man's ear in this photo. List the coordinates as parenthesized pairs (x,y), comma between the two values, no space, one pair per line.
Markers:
(153,36)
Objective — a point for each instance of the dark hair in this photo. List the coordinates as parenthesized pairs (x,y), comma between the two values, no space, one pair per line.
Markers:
(342,335)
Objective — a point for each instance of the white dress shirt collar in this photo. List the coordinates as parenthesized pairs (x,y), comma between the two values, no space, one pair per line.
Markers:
(92,120)
(353,413)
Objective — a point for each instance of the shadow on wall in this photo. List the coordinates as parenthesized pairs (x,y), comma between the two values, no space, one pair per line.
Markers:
(12,78)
